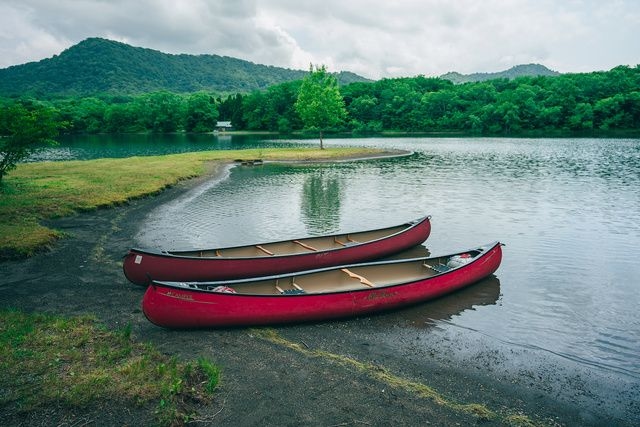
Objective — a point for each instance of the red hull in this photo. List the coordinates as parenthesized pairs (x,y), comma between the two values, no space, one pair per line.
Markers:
(142,266)
(177,307)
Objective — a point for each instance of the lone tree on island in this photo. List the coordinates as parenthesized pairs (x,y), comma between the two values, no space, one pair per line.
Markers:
(319,102)
(24,131)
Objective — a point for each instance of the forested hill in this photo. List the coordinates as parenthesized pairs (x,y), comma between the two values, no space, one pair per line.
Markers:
(99,66)
(528,70)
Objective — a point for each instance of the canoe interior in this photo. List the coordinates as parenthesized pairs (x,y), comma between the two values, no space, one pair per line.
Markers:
(339,280)
(299,246)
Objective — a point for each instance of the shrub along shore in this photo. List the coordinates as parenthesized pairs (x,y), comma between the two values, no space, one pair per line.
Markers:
(36,192)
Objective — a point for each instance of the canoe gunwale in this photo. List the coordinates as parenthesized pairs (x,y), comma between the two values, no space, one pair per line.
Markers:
(179,308)
(178,254)
(140,266)
(188,286)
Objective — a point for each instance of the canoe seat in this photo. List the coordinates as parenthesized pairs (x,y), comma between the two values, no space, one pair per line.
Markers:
(349,241)
(440,268)
(296,291)
(362,279)
(209,253)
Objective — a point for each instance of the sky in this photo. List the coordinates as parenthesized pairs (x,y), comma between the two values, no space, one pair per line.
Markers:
(376,39)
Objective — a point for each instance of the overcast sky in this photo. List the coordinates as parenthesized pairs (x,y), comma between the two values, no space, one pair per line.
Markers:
(376,39)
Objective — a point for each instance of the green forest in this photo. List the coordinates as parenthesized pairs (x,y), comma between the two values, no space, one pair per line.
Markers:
(585,102)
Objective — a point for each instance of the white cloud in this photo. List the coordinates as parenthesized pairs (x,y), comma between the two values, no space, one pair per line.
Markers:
(23,41)
(375,39)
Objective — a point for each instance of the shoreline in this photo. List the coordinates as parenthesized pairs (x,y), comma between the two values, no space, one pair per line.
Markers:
(266,379)
(386,154)
(37,192)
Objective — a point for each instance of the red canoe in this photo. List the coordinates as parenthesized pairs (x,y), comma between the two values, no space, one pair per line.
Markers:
(266,259)
(319,294)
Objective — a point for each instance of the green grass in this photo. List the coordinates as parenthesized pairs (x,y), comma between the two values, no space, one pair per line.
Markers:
(76,363)
(34,192)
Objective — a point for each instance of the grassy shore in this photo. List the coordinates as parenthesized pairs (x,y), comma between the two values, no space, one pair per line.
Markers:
(39,191)
(75,363)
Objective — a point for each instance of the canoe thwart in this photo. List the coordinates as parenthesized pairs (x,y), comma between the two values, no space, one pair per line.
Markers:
(304,245)
(266,251)
(362,279)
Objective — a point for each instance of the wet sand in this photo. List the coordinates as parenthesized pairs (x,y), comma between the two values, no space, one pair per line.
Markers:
(305,379)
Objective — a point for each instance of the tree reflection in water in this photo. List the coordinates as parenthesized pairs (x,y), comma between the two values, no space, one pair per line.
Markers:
(321,201)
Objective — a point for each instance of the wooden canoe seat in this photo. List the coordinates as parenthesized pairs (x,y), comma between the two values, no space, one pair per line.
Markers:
(304,245)
(296,291)
(349,241)
(209,254)
(265,250)
(362,279)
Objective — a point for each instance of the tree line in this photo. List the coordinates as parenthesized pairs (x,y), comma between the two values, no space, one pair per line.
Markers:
(604,101)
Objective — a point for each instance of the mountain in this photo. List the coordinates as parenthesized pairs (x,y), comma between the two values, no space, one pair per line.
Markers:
(97,66)
(530,70)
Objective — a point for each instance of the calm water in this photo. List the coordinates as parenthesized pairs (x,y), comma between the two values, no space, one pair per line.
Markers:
(568,211)
(98,146)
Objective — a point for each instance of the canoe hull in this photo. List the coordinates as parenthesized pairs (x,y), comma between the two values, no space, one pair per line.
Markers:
(142,266)
(183,308)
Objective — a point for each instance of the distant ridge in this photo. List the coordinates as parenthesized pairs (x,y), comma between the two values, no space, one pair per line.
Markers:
(99,66)
(527,70)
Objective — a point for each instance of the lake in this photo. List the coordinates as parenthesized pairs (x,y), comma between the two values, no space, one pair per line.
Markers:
(85,147)
(568,291)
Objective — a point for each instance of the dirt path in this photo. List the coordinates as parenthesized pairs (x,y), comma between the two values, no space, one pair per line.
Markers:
(323,374)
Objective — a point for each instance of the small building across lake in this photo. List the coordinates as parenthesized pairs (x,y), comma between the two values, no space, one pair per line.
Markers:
(223,126)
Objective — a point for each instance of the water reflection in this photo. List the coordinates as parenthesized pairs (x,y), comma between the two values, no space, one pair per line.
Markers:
(426,315)
(320,202)
(419,251)
(83,147)
(224,140)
